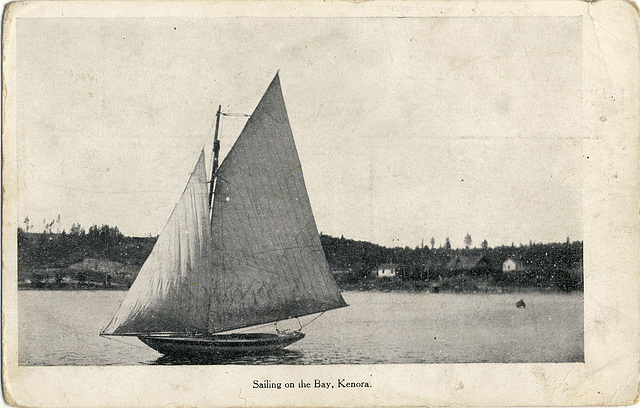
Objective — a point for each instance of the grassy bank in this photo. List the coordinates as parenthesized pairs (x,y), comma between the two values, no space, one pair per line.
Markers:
(464,285)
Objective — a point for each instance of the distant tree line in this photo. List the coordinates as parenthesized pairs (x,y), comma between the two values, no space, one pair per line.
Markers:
(556,265)
(58,250)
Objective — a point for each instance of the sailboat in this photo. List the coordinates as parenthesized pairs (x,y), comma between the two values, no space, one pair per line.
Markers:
(239,250)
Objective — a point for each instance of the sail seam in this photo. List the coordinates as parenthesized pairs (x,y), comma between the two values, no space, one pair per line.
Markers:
(268,255)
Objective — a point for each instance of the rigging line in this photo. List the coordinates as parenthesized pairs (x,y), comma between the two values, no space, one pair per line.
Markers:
(257,327)
(311,321)
(120,341)
(235,114)
(217,176)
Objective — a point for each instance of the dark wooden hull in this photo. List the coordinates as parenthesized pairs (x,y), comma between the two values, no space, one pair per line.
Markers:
(219,344)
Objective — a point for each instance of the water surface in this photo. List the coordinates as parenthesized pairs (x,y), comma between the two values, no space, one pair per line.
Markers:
(62,327)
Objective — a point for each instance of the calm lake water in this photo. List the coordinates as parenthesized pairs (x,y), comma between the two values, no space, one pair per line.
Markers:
(61,328)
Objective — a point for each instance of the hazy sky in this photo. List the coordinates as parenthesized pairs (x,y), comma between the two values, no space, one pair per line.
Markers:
(406,128)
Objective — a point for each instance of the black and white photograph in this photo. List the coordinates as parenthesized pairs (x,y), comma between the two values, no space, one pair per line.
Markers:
(305,186)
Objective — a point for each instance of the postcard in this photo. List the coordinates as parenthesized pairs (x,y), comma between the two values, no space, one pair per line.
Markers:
(323,204)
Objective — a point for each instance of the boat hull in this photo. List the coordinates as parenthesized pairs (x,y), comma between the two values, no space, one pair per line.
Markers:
(219,344)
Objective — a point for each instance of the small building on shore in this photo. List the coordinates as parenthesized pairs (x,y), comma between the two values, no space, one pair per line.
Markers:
(464,263)
(387,270)
(511,265)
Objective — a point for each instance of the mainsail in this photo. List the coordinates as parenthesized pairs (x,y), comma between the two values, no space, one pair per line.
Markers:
(266,248)
(257,259)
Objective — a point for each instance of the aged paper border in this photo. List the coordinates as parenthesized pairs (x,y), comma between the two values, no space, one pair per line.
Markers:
(609,375)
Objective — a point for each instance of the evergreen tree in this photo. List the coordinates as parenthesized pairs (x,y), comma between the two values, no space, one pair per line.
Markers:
(467,241)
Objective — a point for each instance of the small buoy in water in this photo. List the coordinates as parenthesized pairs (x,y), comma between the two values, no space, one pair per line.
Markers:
(520,303)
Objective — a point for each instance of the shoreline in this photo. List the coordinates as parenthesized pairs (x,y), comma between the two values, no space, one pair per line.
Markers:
(405,287)
(70,288)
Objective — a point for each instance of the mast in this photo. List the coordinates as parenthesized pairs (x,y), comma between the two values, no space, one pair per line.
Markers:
(216,152)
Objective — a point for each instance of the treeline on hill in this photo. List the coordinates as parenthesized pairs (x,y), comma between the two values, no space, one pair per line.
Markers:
(101,257)
(548,266)
(57,250)
(103,253)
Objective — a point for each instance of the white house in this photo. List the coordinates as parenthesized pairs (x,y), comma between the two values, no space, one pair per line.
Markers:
(511,265)
(388,270)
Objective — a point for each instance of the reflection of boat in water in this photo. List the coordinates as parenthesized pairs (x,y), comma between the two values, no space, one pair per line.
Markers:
(239,250)
(274,357)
